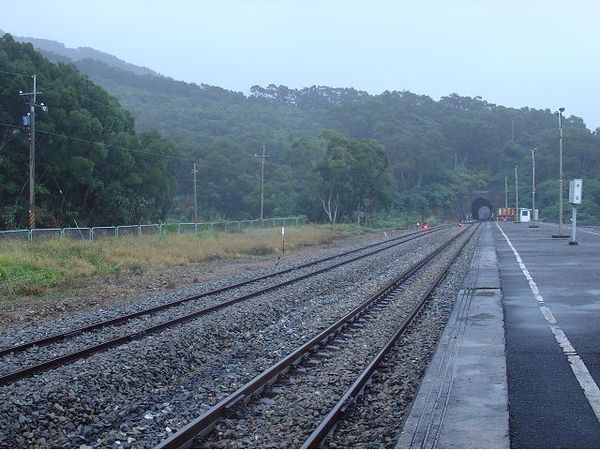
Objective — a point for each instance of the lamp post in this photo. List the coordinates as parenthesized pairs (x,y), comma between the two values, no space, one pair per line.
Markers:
(560,176)
(533,218)
(518,218)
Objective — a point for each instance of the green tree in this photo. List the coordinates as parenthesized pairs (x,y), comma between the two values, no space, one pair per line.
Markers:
(354,177)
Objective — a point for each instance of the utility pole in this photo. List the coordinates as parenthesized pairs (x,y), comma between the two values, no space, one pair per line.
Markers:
(32,99)
(195,171)
(262,181)
(518,219)
(506,192)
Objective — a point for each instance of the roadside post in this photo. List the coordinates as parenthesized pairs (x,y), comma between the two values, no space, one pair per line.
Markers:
(575,190)
(283,240)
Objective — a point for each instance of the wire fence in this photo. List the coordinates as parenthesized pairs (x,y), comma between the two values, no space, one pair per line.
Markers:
(160,229)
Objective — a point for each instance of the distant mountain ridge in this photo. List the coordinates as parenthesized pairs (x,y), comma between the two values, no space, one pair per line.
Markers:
(57,52)
(438,151)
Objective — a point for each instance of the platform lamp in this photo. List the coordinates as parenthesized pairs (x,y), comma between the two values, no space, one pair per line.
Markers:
(533,223)
(559,113)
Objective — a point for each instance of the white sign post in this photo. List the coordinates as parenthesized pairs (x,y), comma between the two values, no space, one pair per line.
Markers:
(283,240)
(575,191)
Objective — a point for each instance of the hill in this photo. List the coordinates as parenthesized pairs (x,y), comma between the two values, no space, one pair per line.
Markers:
(439,152)
(92,167)
(435,153)
(58,52)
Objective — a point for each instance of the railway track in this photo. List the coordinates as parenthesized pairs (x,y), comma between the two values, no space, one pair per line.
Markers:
(118,329)
(280,407)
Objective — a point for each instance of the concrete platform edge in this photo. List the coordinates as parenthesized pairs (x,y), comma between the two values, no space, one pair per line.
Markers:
(463,398)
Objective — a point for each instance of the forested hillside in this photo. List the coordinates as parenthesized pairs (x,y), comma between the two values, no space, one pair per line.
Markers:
(58,52)
(332,151)
(92,167)
(438,152)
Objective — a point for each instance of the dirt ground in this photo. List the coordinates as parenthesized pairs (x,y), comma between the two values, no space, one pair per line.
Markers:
(103,291)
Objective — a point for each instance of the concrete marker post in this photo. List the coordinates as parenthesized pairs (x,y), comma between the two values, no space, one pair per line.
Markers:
(573,240)
(575,191)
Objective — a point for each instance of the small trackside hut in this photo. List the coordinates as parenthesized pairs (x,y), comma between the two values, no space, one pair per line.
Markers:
(510,214)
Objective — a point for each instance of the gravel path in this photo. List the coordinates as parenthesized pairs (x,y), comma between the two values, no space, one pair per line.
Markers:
(136,394)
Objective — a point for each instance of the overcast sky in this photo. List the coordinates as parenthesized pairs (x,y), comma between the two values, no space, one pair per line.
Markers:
(541,54)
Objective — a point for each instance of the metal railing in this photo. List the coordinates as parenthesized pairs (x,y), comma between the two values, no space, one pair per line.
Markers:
(95,233)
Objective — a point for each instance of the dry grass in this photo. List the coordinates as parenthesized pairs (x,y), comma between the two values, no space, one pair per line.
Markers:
(34,269)
(175,250)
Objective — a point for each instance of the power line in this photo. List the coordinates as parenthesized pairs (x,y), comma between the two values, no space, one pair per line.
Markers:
(100,143)
(49,169)
(17,74)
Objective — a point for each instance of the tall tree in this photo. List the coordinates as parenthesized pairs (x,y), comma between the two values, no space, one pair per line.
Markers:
(354,177)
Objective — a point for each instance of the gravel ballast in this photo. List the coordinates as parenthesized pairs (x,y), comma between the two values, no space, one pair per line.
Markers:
(136,394)
(298,402)
(377,419)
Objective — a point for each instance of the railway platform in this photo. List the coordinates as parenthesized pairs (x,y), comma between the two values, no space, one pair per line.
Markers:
(518,364)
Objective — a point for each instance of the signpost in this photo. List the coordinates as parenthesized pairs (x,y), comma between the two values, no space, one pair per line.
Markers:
(575,190)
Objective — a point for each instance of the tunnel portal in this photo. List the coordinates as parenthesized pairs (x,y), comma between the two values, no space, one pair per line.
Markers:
(481,209)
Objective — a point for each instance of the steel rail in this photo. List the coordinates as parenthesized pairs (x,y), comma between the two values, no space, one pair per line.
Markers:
(87,351)
(328,424)
(124,318)
(202,425)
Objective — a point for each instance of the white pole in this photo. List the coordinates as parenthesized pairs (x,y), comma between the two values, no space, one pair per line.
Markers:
(518,219)
(573,240)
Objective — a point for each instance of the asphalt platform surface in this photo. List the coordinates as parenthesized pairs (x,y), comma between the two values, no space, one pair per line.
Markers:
(519,362)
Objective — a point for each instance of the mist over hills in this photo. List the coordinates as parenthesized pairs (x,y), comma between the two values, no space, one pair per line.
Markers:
(58,52)
(435,153)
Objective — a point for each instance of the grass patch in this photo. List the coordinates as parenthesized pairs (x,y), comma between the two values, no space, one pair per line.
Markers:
(34,269)
(22,277)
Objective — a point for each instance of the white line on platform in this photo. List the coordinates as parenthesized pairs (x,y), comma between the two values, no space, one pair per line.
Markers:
(590,232)
(581,372)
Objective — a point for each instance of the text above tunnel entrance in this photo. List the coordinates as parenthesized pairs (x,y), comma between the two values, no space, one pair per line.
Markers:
(481,209)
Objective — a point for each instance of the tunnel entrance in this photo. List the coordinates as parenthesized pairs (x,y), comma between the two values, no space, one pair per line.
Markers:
(482,209)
